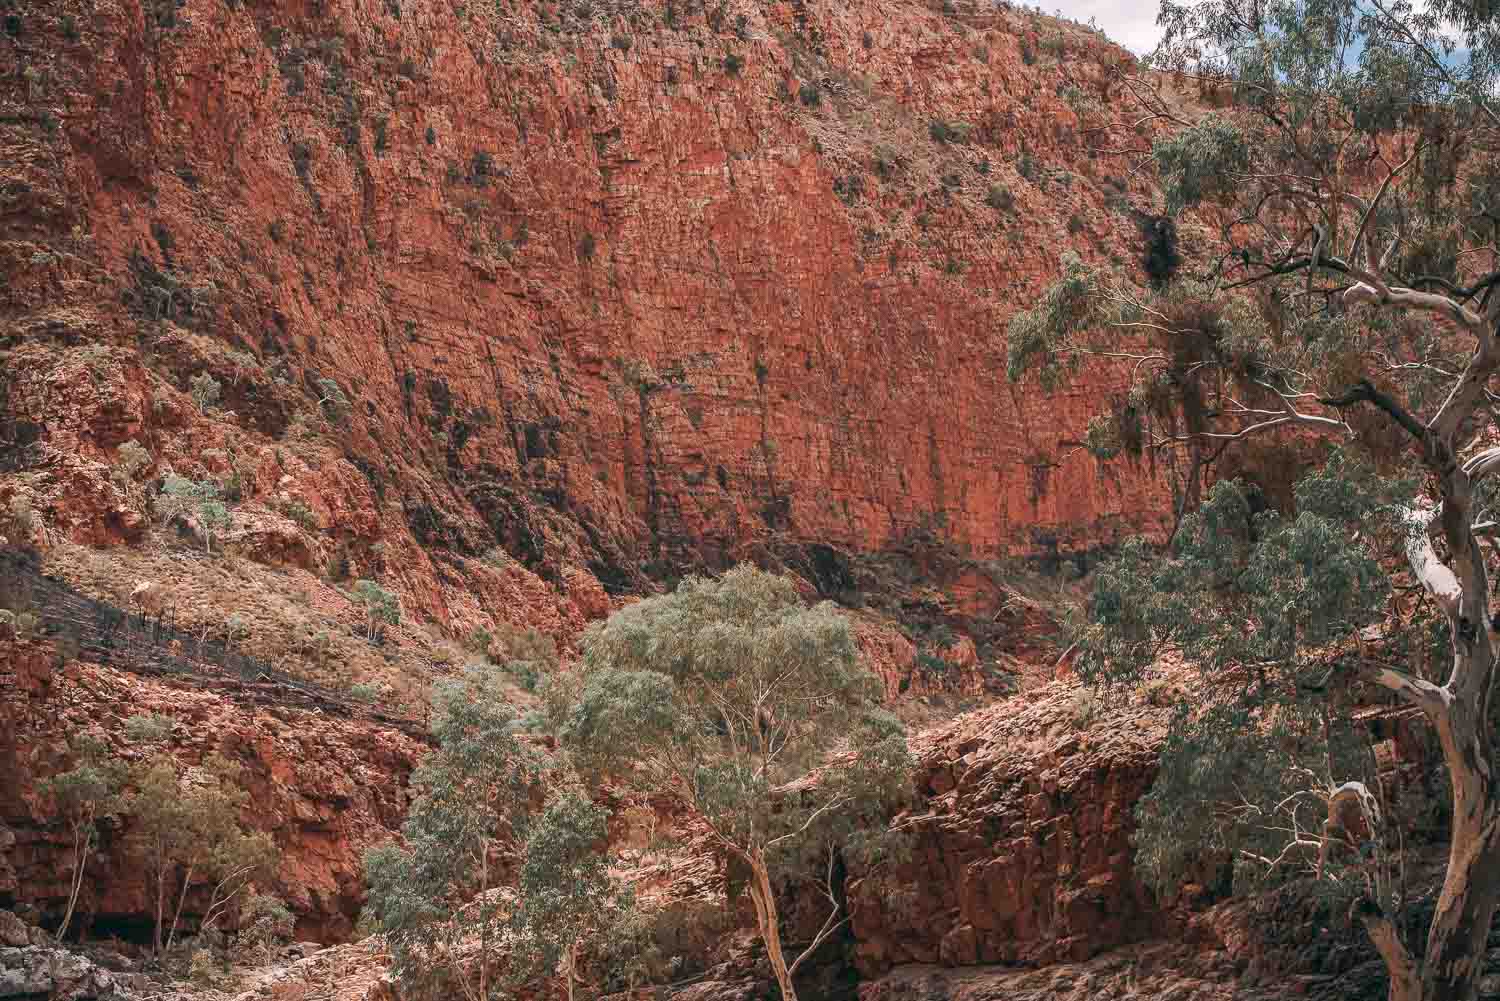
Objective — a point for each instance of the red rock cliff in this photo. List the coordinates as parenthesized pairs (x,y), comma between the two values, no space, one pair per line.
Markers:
(609,284)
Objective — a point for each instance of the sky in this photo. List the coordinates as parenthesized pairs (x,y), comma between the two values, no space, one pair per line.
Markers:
(1131,23)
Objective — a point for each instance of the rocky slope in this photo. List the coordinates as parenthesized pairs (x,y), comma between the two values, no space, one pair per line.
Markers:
(324,788)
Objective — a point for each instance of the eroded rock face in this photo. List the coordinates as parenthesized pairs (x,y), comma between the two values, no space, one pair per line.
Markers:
(605,285)
(1023,855)
(326,789)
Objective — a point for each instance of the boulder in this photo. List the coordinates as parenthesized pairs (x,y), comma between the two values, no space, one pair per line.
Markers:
(56,974)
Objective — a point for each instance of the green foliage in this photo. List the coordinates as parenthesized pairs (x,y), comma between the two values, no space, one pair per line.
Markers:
(942,131)
(180,496)
(730,694)
(185,822)
(1252,601)
(297,510)
(81,796)
(999,198)
(1038,338)
(132,460)
(432,892)
(382,607)
(148,728)
(1200,162)
(566,895)
(205,391)
(364,692)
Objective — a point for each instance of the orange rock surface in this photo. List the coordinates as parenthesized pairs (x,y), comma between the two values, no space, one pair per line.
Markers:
(610,285)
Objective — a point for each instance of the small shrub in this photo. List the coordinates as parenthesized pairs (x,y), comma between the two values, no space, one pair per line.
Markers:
(182,496)
(482,167)
(205,391)
(1084,708)
(431,135)
(203,970)
(480,639)
(586,247)
(333,401)
(265,923)
(733,64)
(366,692)
(999,198)
(620,43)
(1076,224)
(381,607)
(949,132)
(299,512)
(148,728)
(810,94)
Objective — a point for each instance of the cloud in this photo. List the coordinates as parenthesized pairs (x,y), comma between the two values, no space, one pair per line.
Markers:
(1131,23)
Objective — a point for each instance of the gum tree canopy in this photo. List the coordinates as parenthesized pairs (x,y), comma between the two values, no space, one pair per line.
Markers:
(1330,170)
(755,711)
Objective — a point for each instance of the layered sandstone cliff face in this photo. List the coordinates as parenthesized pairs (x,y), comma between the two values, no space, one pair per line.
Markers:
(1021,852)
(614,286)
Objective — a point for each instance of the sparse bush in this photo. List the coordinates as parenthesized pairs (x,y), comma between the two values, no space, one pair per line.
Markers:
(810,94)
(148,728)
(132,459)
(1084,708)
(733,64)
(205,391)
(949,132)
(333,401)
(82,796)
(181,496)
(236,629)
(20,521)
(364,692)
(265,923)
(999,198)
(297,510)
(479,640)
(203,970)
(381,608)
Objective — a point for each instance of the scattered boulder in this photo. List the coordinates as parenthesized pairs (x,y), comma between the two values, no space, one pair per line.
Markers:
(56,974)
(13,931)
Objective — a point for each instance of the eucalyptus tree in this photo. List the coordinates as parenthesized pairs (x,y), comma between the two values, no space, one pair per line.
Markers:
(755,711)
(564,890)
(83,795)
(1331,169)
(437,895)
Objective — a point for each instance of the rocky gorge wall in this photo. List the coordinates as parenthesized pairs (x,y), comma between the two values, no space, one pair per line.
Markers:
(325,789)
(519,308)
(614,286)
